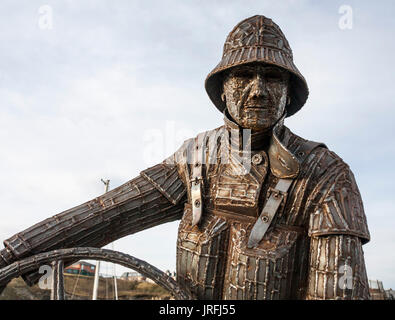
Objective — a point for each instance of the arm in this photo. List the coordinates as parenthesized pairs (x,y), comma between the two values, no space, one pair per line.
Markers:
(154,197)
(337,230)
(337,269)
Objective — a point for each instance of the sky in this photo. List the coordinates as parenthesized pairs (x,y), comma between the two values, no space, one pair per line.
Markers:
(104,89)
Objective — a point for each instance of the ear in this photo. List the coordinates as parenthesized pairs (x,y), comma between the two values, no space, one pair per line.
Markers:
(224,76)
(288,95)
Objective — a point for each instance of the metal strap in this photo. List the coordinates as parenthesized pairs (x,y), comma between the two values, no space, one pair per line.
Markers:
(277,195)
(197,179)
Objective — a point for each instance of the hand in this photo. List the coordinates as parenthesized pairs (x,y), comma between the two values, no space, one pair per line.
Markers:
(5,258)
(2,263)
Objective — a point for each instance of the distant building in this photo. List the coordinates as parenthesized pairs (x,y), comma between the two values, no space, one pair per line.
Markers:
(376,290)
(81,267)
(135,276)
(132,276)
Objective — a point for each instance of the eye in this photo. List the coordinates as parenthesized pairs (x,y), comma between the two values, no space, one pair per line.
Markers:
(245,74)
(274,75)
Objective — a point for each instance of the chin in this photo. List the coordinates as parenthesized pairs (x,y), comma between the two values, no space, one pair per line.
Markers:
(264,123)
(258,126)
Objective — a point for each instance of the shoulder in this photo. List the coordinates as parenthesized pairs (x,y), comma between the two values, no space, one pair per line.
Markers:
(184,153)
(334,201)
(320,161)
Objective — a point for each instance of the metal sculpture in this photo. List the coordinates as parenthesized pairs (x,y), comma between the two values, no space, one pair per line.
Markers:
(265,214)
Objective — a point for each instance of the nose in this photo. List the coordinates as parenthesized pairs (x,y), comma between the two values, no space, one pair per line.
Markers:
(258,88)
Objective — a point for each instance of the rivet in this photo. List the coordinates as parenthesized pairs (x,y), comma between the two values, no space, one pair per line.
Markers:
(197,203)
(257,158)
(265,219)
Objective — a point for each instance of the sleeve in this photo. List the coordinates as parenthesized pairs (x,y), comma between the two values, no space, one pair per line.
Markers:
(337,205)
(337,230)
(154,197)
(337,269)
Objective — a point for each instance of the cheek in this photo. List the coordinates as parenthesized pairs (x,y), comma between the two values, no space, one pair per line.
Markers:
(283,92)
(278,95)
(232,95)
(275,91)
(234,89)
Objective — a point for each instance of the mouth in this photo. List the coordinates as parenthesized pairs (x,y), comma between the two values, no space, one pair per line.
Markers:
(256,107)
(262,104)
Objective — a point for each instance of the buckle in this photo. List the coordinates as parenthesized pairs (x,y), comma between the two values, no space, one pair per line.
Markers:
(276,193)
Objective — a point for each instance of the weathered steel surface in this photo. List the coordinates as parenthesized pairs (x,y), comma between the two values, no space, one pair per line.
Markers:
(272,204)
(132,207)
(33,263)
(213,259)
(328,255)
(257,39)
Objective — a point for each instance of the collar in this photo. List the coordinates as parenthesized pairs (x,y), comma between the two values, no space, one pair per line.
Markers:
(283,163)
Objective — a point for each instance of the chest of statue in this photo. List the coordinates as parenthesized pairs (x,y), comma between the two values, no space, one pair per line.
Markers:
(213,260)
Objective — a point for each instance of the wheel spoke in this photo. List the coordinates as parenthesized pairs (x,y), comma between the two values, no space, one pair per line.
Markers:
(57,288)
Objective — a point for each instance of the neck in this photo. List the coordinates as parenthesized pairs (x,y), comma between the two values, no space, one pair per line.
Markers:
(259,140)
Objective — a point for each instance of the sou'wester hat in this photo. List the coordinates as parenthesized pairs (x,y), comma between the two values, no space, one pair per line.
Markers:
(257,39)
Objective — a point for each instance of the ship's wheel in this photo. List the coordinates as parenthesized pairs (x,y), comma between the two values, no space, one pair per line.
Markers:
(56,259)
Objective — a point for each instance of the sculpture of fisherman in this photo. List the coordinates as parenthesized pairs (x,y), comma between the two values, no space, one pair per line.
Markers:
(265,214)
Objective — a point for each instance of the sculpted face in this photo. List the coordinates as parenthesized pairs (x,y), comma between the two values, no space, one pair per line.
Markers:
(256,95)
